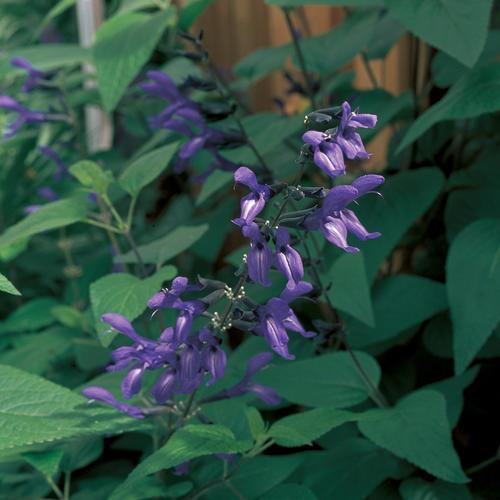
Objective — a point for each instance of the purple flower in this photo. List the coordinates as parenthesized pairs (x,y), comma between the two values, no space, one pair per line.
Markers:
(25,115)
(168,297)
(330,147)
(47,193)
(253,203)
(33,75)
(100,394)
(164,387)
(347,137)
(287,259)
(276,317)
(334,220)
(214,361)
(259,256)
(327,153)
(246,385)
(61,168)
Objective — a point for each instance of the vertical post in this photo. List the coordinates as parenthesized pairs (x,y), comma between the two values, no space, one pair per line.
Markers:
(98,125)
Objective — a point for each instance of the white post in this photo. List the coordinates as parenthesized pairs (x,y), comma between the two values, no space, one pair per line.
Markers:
(98,125)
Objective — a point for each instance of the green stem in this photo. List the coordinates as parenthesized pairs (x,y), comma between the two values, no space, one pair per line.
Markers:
(55,488)
(485,463)
(300,57)
(107,227)
(135,250)
(67,485)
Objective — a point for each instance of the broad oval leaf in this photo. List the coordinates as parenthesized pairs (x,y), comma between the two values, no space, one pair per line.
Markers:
(473,285)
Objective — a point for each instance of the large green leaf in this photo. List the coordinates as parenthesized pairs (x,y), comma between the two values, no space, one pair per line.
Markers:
(303,428)
(124,294)
(214,183)
(257,476)
(473,285)
(328,52)
(474,94)
(399,302)
(418,489)
(386,33)
(351,470)
(328,380)
(417,430)
(31,316)
(458,27)
(406,197)
(166,248)
(350,289)
(190,11)
(50,216)
(290,491)
(7,287)
(146,168)
(34,411)
(185,444)
(123,45)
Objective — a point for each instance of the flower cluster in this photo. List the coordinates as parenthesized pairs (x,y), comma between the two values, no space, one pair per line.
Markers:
(180,358)
(189,118)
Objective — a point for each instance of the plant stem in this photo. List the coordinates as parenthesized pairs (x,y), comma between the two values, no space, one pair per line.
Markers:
(55,488)
(485,463)
(371,74)
(133,246)
(101,225)
(65,246)
(67,485)
(300,57)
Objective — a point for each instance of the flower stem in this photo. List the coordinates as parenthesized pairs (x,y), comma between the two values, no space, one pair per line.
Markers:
(135,250)
(300,57)
(485,463)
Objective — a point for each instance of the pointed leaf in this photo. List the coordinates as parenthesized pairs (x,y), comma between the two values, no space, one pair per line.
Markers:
(7,287)
(417,430)
(473,285)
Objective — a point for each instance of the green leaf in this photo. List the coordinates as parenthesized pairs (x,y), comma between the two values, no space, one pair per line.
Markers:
(124,294)
(263,61)
(34,411)
(47,462)
(166,248)
(473,265)
(351,470)
(186,444)
(386,33)
(190,11)
(216,181)
(7,287)
(406,197)
(91,175)
(36,352)
(257,476)
(31,316)
(303,428)
(474,94)
(123,45)
(255,422)
(459,27)
(55,11)
(146,168)
(45,57)
(350,290)
(452,389)
(415,488)
(465,206)
(399,302)
(417,430)
(446,70)
(351,37)
(50,216)
(328,380)
(290,491)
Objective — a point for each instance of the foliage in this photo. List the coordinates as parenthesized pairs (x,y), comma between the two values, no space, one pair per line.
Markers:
(386,399)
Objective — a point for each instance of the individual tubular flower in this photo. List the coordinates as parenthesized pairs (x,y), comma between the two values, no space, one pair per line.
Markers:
(287,259)
(253,203)
(327,153)
(104,396)
(276,317)
(334,220)
(247,385)
(33,75)
(24,115)
(166,298)
(259,258)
